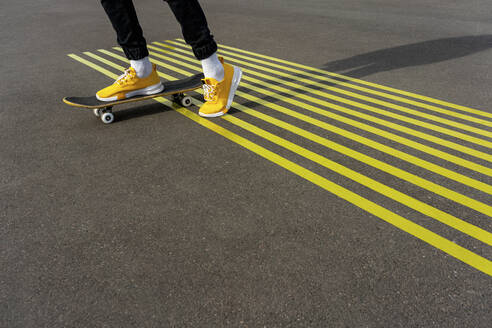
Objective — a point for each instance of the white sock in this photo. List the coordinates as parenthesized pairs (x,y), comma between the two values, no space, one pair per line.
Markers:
(143,67)
(212,68)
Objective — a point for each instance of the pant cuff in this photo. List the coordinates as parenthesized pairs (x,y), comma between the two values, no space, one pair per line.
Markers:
(135,53)
(205,51)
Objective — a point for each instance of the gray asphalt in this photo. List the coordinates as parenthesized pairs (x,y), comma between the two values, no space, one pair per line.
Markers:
(156,221)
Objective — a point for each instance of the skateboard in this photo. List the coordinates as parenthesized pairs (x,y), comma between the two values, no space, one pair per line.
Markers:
(104,109)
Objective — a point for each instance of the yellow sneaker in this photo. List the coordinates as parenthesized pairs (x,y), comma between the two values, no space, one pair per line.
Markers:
(219,95)
(129,85)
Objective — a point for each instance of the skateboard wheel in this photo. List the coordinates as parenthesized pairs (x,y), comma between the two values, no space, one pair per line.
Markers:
(186,101)
(107,118)
(97,112)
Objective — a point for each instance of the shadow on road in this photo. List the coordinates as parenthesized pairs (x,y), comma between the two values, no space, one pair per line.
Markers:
(139,110)
(414,54)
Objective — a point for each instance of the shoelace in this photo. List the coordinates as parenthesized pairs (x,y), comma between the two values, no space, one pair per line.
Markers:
(209,92)
(125,77)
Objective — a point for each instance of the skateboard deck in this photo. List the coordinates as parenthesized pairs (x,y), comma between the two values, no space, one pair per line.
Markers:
(103,109)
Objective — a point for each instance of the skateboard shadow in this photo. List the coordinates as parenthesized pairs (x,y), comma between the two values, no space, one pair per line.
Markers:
(154,108)
(415,54)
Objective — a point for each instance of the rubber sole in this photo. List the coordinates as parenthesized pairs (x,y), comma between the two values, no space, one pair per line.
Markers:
(236,79)
(156,88)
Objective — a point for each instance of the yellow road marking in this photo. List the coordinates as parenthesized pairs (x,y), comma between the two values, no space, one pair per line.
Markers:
(460,253)
(373,109)
(374,85)
(411,202)
(383,148)
(414,179)
(311,83)
(398,221)
(105,61)
(366,90)
(358,124)
(94,66)
(415,204)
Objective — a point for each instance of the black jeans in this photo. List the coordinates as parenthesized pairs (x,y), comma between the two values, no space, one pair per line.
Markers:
(130,35)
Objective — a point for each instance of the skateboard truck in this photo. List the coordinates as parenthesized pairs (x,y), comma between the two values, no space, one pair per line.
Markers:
(181,99)
(105,113)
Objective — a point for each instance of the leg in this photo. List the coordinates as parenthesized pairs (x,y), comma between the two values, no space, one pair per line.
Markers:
(221,79)
(194,26)
(141,78)
(197,34)
(125,22)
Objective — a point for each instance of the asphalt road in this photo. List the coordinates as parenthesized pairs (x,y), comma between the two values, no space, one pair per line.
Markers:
(159,220)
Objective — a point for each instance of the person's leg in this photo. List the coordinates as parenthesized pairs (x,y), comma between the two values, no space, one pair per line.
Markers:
(221,79)
(141,78)
(124,19)
(194,25)
(196,33)
(130,37)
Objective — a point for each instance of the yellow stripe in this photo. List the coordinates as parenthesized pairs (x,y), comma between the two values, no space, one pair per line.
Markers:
(94,66)
(400,222)
(351,94)
(347,78)
(427,149)
(460,253)
(370,91)
(443,217)
(297,85)
(414,179)
(397,127)
(356,87)
(105,61)
(429,126)
(419,206)
(427,137)
(389,192)
(109,53)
